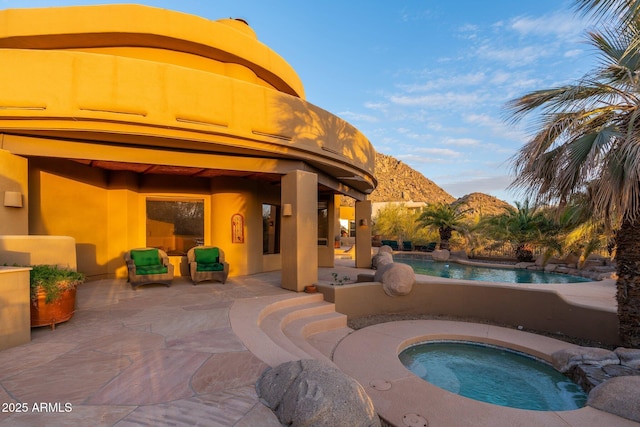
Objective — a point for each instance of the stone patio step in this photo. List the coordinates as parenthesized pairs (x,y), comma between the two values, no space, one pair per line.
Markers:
(301,329)
(276,321)
(327,341)
(261,324)
(282,303)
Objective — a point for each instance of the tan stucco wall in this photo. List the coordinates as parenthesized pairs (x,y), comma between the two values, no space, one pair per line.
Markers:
(37,250)
(15,321)
(71,200)
(13,177)
(242,197)
(534,309)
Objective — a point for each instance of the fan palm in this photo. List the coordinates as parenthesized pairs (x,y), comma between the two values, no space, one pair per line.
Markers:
(521,227)
(588,136)
(446,219)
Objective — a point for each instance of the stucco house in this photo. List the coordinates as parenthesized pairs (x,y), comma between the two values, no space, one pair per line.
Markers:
(127,126)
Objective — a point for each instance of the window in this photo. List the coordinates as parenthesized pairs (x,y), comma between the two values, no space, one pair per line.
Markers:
(323,223)
(270,229)
(175,225)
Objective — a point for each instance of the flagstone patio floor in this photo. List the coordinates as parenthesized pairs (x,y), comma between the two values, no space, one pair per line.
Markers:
(154,356)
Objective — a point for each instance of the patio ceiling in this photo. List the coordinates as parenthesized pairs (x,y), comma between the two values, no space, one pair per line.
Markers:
(142,168)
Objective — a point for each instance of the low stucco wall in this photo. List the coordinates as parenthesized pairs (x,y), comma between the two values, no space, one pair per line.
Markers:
(534,309)
(15,321)
(36,250)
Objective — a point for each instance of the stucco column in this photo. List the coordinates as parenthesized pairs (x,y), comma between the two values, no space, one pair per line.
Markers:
(299,243)
(363,234)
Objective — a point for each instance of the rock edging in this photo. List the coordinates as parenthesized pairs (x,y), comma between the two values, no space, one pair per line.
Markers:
(612,378)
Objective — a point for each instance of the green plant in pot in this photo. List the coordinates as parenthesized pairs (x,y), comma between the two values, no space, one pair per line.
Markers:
(53,294)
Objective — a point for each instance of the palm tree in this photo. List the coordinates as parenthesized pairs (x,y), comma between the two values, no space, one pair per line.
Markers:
(446,219)
(589,137)
(522,227)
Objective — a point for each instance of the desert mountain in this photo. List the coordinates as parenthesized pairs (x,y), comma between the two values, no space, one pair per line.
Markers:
(398,182)
(483,204)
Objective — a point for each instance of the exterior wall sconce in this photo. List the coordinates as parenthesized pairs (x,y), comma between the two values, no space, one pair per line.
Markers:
(13,199)
(287,209)
(364,222)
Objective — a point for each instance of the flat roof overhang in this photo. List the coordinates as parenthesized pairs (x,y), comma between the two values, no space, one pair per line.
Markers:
(147,160)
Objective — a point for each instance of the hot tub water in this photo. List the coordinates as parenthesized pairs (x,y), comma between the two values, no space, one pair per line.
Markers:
(494,375)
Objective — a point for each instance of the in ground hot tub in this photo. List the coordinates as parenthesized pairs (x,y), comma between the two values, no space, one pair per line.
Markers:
(494,375)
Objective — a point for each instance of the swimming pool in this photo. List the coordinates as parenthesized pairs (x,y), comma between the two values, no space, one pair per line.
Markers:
(494,375)
(453,270)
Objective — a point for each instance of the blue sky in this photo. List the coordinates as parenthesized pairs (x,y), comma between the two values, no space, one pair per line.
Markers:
(426,81)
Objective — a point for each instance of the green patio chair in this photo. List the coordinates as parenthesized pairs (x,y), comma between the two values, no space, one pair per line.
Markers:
(207,263)
(148,265)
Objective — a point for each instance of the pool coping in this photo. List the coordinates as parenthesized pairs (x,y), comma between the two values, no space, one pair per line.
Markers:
(370,355)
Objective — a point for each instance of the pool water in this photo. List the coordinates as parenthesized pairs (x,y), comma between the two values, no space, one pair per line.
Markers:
(494,375)
(453,270)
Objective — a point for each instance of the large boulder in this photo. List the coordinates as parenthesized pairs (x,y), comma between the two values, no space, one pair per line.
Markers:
(440,255)
(384,256)
(594,260)
(397,279)
(618,396)
(307,393)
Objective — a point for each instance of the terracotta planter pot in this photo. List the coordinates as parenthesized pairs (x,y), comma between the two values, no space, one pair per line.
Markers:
(311,289)
(59,311)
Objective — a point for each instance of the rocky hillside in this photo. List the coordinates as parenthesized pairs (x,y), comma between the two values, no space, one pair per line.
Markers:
(483,204)
(398,182)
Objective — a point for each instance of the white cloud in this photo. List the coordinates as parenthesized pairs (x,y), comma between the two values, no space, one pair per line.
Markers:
(573,53)
(440,152)
(434,82)
(357,117)
(497,127)
(513,56)
(437,100)
(377,106)
(461,142)
(561,24)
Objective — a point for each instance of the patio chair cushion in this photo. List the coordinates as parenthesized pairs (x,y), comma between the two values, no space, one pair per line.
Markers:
(151,269)
(148,261)
(214,266)
(145,257)
(207,256)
